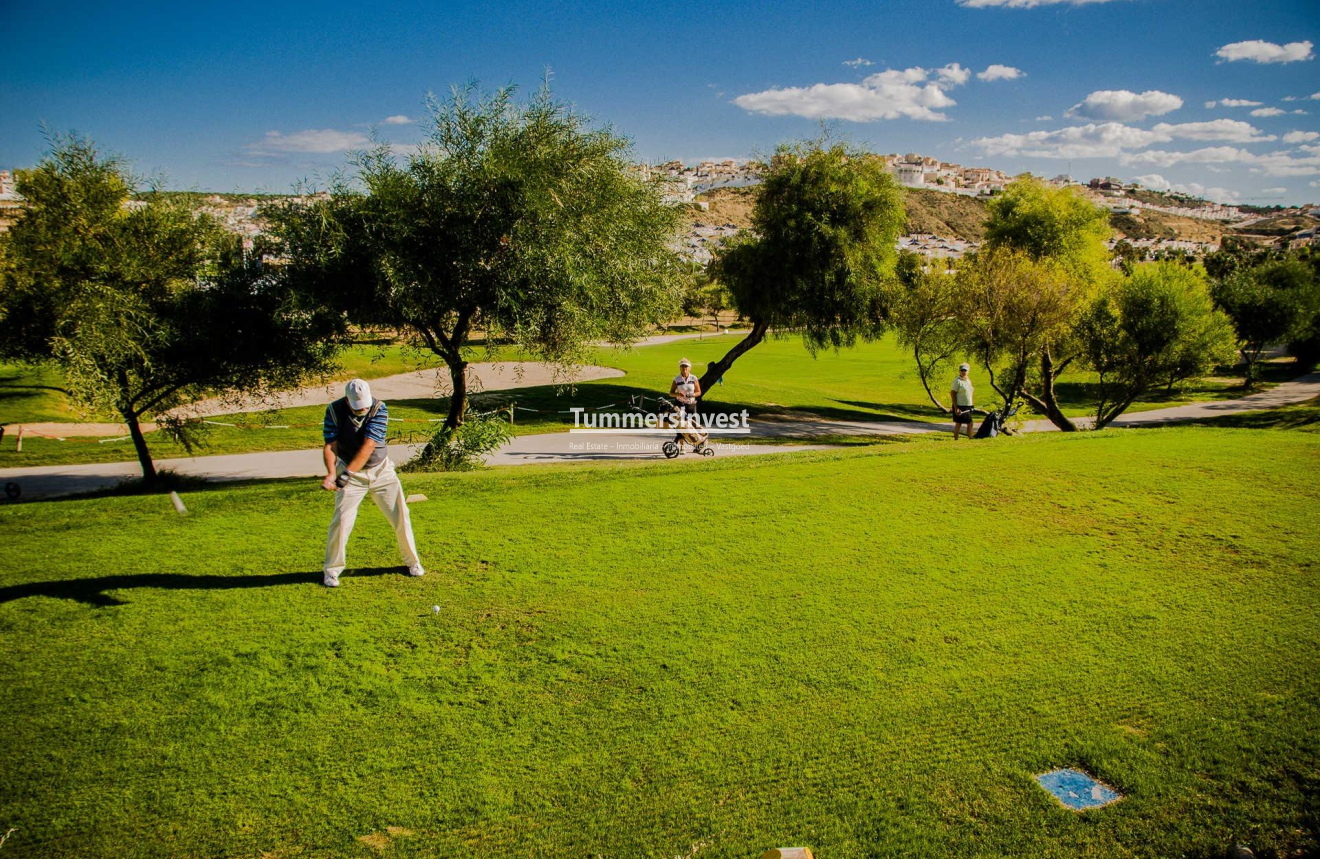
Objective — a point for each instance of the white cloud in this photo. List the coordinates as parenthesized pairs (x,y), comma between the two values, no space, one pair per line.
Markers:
(858,63)
(1258,51)
(1111,139)
(398,119)
(1301,136)
(1219,195)
(1229,130)
(1281,163)
(953,74)
(1206,155)
(997,72)
(316,141)
(1045,118)
(1154,182)
(1300,113)
(889,94)
(1315,96)
(1268,111)
(1290,98)
(1093,140)
(1273,192)
(1233,102)
(1123,105)
(1023,4)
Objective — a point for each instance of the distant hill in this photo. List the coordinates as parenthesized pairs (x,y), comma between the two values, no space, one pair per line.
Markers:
(1158,225)
(727,206)
(1279,225)
(953,215)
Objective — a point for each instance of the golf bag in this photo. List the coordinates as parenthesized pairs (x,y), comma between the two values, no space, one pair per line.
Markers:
(994,422)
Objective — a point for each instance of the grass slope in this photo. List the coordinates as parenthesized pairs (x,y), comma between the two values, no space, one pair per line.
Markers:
(870,652)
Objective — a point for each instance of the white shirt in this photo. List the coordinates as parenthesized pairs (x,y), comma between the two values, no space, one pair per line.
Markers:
(686,389)
(962,391)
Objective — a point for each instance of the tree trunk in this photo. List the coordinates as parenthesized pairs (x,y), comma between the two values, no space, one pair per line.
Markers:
(1104,420)
(717,369)
(1250,357)
(458,399)
(925,375)
(140,444)
(1048,402)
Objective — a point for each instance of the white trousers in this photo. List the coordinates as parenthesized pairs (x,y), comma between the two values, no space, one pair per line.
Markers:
(382,483)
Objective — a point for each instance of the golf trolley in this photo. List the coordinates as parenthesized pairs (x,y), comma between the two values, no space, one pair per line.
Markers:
(995,422)
(688,432)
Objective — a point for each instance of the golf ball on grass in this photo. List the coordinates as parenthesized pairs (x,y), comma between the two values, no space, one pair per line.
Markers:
(435,609)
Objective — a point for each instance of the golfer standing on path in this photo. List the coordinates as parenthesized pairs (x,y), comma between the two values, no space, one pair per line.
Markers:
(357,462)
(963,396)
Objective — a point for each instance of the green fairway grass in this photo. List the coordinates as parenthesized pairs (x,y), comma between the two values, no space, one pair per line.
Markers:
(868,651)
(874,381)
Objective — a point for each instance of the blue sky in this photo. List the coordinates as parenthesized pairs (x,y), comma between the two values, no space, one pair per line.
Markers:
(244,96)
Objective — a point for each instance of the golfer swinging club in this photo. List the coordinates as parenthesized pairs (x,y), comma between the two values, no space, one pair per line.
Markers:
(963,395)
(357,462)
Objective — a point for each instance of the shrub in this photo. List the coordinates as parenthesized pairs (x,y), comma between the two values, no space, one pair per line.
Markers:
(464,447)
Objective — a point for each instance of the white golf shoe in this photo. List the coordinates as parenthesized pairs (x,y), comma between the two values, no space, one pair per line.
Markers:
(416,570)
(331,580)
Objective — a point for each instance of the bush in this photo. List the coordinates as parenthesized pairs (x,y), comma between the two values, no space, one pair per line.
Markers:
(464,447)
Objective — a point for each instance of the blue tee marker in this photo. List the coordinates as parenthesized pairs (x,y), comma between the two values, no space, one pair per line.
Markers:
(1077,790)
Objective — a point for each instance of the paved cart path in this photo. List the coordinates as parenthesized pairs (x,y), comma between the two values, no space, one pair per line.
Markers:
(562,447)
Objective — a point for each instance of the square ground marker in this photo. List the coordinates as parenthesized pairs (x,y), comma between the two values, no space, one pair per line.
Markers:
(1077,790)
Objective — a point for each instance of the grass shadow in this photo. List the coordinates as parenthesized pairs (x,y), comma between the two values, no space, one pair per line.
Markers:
(895,411)
(96,591)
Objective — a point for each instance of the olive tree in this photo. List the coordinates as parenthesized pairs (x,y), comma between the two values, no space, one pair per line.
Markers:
(1011,309)
(924,312)
(820,255)
(1155,327)
(1061,229)
(145,305)
(1268,304)
(521,221)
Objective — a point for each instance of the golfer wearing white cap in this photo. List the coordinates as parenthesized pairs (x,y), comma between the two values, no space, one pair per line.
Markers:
(686,389)
(357,462)
(963,395)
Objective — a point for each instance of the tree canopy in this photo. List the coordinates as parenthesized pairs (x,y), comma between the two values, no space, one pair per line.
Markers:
(1058,224)
(519,220)
(145,306)
(820,256)
(1156,327)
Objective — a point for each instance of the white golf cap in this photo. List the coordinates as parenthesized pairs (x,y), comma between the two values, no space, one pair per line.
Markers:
(358,393)
(960,367)
(683,362)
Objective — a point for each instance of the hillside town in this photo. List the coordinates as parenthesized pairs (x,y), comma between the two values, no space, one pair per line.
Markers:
(687,183)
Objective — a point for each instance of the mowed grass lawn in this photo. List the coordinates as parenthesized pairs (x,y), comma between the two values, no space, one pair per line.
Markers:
(873,381)
(868,651)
